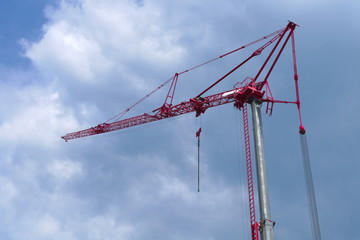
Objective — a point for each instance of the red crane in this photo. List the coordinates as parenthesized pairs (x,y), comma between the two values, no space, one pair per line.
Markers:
(240,94)
(248,91)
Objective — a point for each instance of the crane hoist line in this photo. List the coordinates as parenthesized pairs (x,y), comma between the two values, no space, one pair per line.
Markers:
(253,91)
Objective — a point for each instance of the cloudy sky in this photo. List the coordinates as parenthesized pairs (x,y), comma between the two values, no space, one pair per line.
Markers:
(66,65)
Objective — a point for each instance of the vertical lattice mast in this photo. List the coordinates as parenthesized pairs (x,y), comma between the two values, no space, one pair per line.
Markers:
(249,171)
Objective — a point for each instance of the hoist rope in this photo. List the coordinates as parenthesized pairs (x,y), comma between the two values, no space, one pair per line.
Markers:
(198,137)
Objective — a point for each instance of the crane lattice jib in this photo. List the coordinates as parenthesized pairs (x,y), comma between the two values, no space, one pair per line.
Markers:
(198,105)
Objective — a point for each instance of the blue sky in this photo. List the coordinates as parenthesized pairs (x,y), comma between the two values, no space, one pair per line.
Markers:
(69,65)
(19,19)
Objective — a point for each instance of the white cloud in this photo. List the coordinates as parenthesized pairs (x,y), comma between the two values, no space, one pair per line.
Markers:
(46,226)
(39,119)
(8,192)
(98,227)
(64,170)
(65,49)
(174,187)
(102,227)
(88,42)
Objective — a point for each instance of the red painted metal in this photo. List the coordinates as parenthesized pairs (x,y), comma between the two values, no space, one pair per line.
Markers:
(239,95)
(197,105)
(279,36)
(249,171)
(301,127)
(256,53)
(170,96)
(291,26)
(120,115)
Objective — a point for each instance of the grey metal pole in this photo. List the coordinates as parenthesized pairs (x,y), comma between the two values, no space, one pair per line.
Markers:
(266,225)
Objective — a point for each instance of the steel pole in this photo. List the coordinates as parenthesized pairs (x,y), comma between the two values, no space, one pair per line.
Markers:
(266,225)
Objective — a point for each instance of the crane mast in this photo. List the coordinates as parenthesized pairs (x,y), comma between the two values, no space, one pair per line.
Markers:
(249,91)
(266,224)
